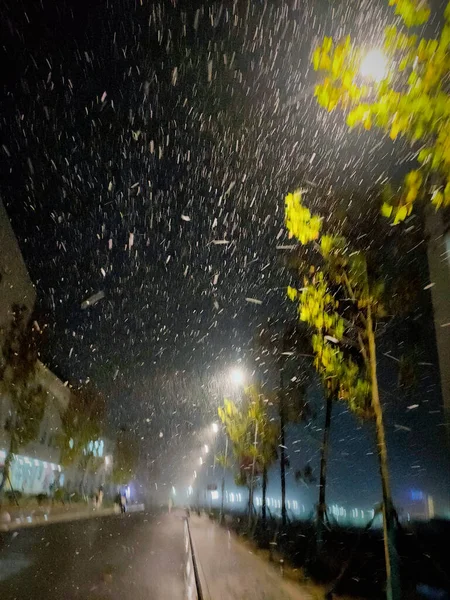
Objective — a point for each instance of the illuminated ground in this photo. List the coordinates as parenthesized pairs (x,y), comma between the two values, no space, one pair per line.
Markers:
(135,557)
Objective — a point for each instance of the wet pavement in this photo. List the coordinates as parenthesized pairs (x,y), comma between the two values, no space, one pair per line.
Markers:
(230,571)
(132,556)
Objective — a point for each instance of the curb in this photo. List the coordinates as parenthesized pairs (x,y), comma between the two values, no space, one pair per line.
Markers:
(48,519)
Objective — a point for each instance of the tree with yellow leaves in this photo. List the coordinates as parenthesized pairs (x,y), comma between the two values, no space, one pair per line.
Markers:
(253,438)
(406,95)
(342,303)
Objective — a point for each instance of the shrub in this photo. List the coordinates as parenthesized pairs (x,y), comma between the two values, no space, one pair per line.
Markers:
(41,498)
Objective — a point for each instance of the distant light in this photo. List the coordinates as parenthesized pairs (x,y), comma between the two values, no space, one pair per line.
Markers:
(195,474)
(190,490)
(374,65)
(416,495)
(201,460)
(215,427)
(206,448)
(214,495)
(174,491)
(237,376)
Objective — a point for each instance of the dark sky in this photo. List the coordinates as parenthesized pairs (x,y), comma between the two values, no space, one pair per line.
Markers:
(147,150)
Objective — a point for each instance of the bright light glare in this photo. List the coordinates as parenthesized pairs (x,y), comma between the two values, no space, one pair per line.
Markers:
(237,376)
(214,495)
(206,448)
(215,427)
(374,65)
(201,460)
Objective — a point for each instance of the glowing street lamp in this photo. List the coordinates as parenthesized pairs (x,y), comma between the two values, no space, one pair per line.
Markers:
(374,65)
(237,376)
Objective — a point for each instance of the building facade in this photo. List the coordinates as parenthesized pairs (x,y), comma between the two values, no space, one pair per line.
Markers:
(36,468)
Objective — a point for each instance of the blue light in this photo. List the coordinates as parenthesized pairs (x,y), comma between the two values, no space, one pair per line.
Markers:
(416,495)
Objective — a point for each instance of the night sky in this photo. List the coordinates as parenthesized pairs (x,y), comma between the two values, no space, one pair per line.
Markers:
(147,149)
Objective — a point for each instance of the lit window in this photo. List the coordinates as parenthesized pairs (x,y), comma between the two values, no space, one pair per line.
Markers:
(214,495)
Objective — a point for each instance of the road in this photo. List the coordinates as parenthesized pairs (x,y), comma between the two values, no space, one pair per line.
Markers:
(110,558)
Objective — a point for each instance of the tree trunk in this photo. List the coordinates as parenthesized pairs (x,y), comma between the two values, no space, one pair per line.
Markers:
(283,466)
(85,474)
(7,466)
(321,508)
(282,449)
(393,587)
(264,493)
(252,481)
(6,470)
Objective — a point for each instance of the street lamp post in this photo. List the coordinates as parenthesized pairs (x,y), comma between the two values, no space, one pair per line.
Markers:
(250,508)
(223,479)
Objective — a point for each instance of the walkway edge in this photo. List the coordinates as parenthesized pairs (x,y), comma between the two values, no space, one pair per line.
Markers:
(204,590)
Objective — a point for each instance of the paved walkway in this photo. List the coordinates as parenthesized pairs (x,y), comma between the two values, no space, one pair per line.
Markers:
(229,571)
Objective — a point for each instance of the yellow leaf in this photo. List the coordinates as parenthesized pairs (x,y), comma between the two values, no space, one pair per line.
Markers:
(411,195)
(316,59)
(437,199)
(394,131)
(400,215)
(292,293)
(386,210)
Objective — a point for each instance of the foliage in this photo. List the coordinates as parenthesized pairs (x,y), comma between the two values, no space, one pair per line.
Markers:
(337,300)
(411,100)
(243,425)
(18,382)
(82,423)
(125,457)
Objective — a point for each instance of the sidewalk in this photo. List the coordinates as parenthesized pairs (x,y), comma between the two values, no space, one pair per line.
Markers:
(45,515)
(229,571)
